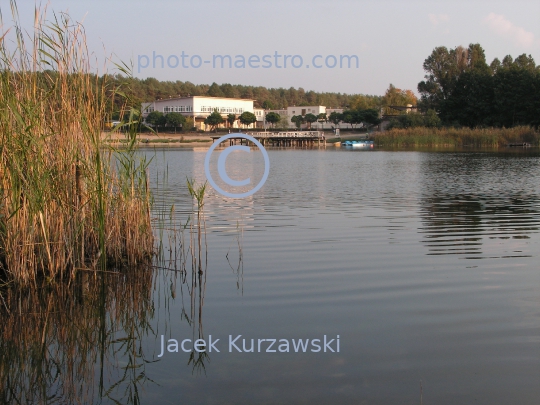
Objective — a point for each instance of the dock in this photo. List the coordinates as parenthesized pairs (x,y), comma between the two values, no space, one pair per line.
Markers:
(289,138)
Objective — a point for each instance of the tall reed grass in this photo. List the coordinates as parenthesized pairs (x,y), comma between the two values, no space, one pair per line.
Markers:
(478,137)
(67,201)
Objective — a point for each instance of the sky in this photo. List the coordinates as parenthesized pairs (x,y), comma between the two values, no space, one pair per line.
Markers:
(385,41)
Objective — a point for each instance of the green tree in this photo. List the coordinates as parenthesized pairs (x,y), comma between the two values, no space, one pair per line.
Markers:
(273,118)
(495,65)
(215,90)
(471,102)
(298,120)
(369,116)
(322,118)
(443,68)
(363,102)
(431,119)
(174,119)
(335,118)
(525,62)
(230,119)
(310,119)
(349,117)
(268,105)
(214,120)
(411,120)
(247,118)
(156,119)
(502,95)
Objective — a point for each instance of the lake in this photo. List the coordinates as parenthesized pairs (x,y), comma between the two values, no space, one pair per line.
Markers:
(424,263)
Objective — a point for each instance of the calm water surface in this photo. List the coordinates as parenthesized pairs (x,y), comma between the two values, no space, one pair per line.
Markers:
(425,264)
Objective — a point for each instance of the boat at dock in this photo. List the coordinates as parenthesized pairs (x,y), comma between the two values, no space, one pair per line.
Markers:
(358,144)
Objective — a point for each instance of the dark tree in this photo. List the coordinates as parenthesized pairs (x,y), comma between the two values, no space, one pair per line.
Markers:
(298,120)
(175,120)
(156,119)
(335,118)
(214,120)
(273,118)
(247,118)
(230,119)
(310,119)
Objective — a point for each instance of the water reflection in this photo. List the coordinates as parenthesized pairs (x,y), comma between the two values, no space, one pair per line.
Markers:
(458,224)
(77,343)
(468,198)
(87,342)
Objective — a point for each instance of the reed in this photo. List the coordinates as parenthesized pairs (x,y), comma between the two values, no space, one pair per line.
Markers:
(456,137)
(67,201)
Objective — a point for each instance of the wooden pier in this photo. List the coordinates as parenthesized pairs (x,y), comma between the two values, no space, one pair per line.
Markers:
(290,138)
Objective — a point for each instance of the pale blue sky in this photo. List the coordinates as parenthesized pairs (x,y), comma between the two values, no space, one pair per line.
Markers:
(391,38)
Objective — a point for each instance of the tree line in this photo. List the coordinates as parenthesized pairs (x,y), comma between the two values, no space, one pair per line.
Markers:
(465,91)
(177,120)
(149,89)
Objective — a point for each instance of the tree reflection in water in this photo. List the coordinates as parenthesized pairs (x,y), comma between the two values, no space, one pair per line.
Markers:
(458,224)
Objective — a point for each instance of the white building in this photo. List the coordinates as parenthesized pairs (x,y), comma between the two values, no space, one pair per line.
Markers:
(200,107)
(290,112)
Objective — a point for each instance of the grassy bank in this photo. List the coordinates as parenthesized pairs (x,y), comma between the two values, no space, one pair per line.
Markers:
(66,201)
(486,137)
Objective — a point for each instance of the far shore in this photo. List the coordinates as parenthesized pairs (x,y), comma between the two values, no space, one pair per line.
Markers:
(411,137)
(196,139)
(180,139)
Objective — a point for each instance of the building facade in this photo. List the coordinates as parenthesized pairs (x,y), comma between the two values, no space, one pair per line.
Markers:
(200,107)
(290,112)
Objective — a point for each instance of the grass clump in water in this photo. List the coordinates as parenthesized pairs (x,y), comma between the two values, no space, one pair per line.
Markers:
(66,201)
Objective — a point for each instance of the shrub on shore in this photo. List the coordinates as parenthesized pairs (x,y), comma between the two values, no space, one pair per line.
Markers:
(478,137)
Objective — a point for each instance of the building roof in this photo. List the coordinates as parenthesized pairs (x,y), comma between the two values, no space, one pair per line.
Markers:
(217,98)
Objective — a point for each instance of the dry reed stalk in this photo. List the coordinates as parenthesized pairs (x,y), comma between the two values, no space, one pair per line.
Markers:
(65,203)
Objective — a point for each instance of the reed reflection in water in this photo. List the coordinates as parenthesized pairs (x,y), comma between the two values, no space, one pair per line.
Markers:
(86,342)
(76,343)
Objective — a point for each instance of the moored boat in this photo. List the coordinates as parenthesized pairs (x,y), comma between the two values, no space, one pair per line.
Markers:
(358,144)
